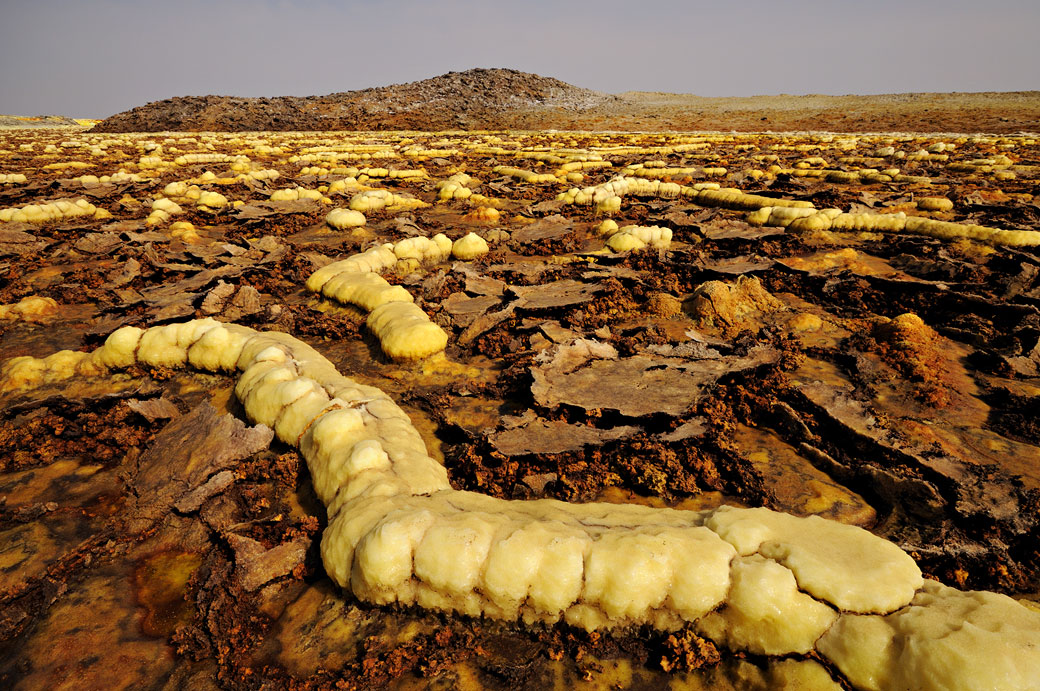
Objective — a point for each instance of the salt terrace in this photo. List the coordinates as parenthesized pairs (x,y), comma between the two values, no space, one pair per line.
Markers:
(520,409)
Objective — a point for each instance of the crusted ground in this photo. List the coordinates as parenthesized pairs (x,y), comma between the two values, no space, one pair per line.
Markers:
(884,380)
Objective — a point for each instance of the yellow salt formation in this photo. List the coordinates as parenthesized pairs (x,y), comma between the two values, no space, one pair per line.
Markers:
(66,165)
(119,176)
(784,215)
(184,231)
(599,194)
(405,333)
(736,200)
(753,580)
(31,308)
(641,170)
(373,260)
(469,247)
(571,171)
(61,210)
(211,201)
(923,155)
(426,250)
(366,173)
(833,219)
(524,175)
(945,639)
(483,214)
(997,165)
(934,204)
(29,372)
(609,205)
(199,158)
(374,200)
(629,238)
(12,178)
(766,613)
(862,175)
(210,178)
(366,290)
(182,190)
(296,194)
(341,219)
(343,184)
(162,210)
(455,187)
(702,193)
(264,174)
(153,162)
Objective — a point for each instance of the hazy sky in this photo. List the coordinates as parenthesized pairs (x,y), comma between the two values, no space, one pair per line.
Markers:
(90,58)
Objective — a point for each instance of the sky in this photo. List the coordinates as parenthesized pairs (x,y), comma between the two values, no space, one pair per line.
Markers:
(94,58)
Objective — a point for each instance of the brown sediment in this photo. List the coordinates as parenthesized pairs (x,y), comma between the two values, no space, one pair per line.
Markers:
(101,430)
(915,350)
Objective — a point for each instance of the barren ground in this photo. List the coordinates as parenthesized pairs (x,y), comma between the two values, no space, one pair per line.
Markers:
(111,575)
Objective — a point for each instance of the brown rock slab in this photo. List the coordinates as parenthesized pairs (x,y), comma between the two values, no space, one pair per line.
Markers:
(483,285)
(639,385)
(466,309)
(17,242)
(153,409)
(555,294)
(247,300)
(570,356)
(557,333)
(548,228)
(185,455)
(165,292)
(217,297)
(546,437)
(260,211)
(257,566)
(98,243)
(687,430)
(193,500)
(484,323)
(126,272)
(720,229)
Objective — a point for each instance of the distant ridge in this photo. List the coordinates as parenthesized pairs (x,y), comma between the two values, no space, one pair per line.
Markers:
(496,99)
(37,121)
(474,99)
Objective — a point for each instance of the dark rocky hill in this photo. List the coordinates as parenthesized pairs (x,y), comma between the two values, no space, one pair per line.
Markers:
(507,99)
(474,99)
